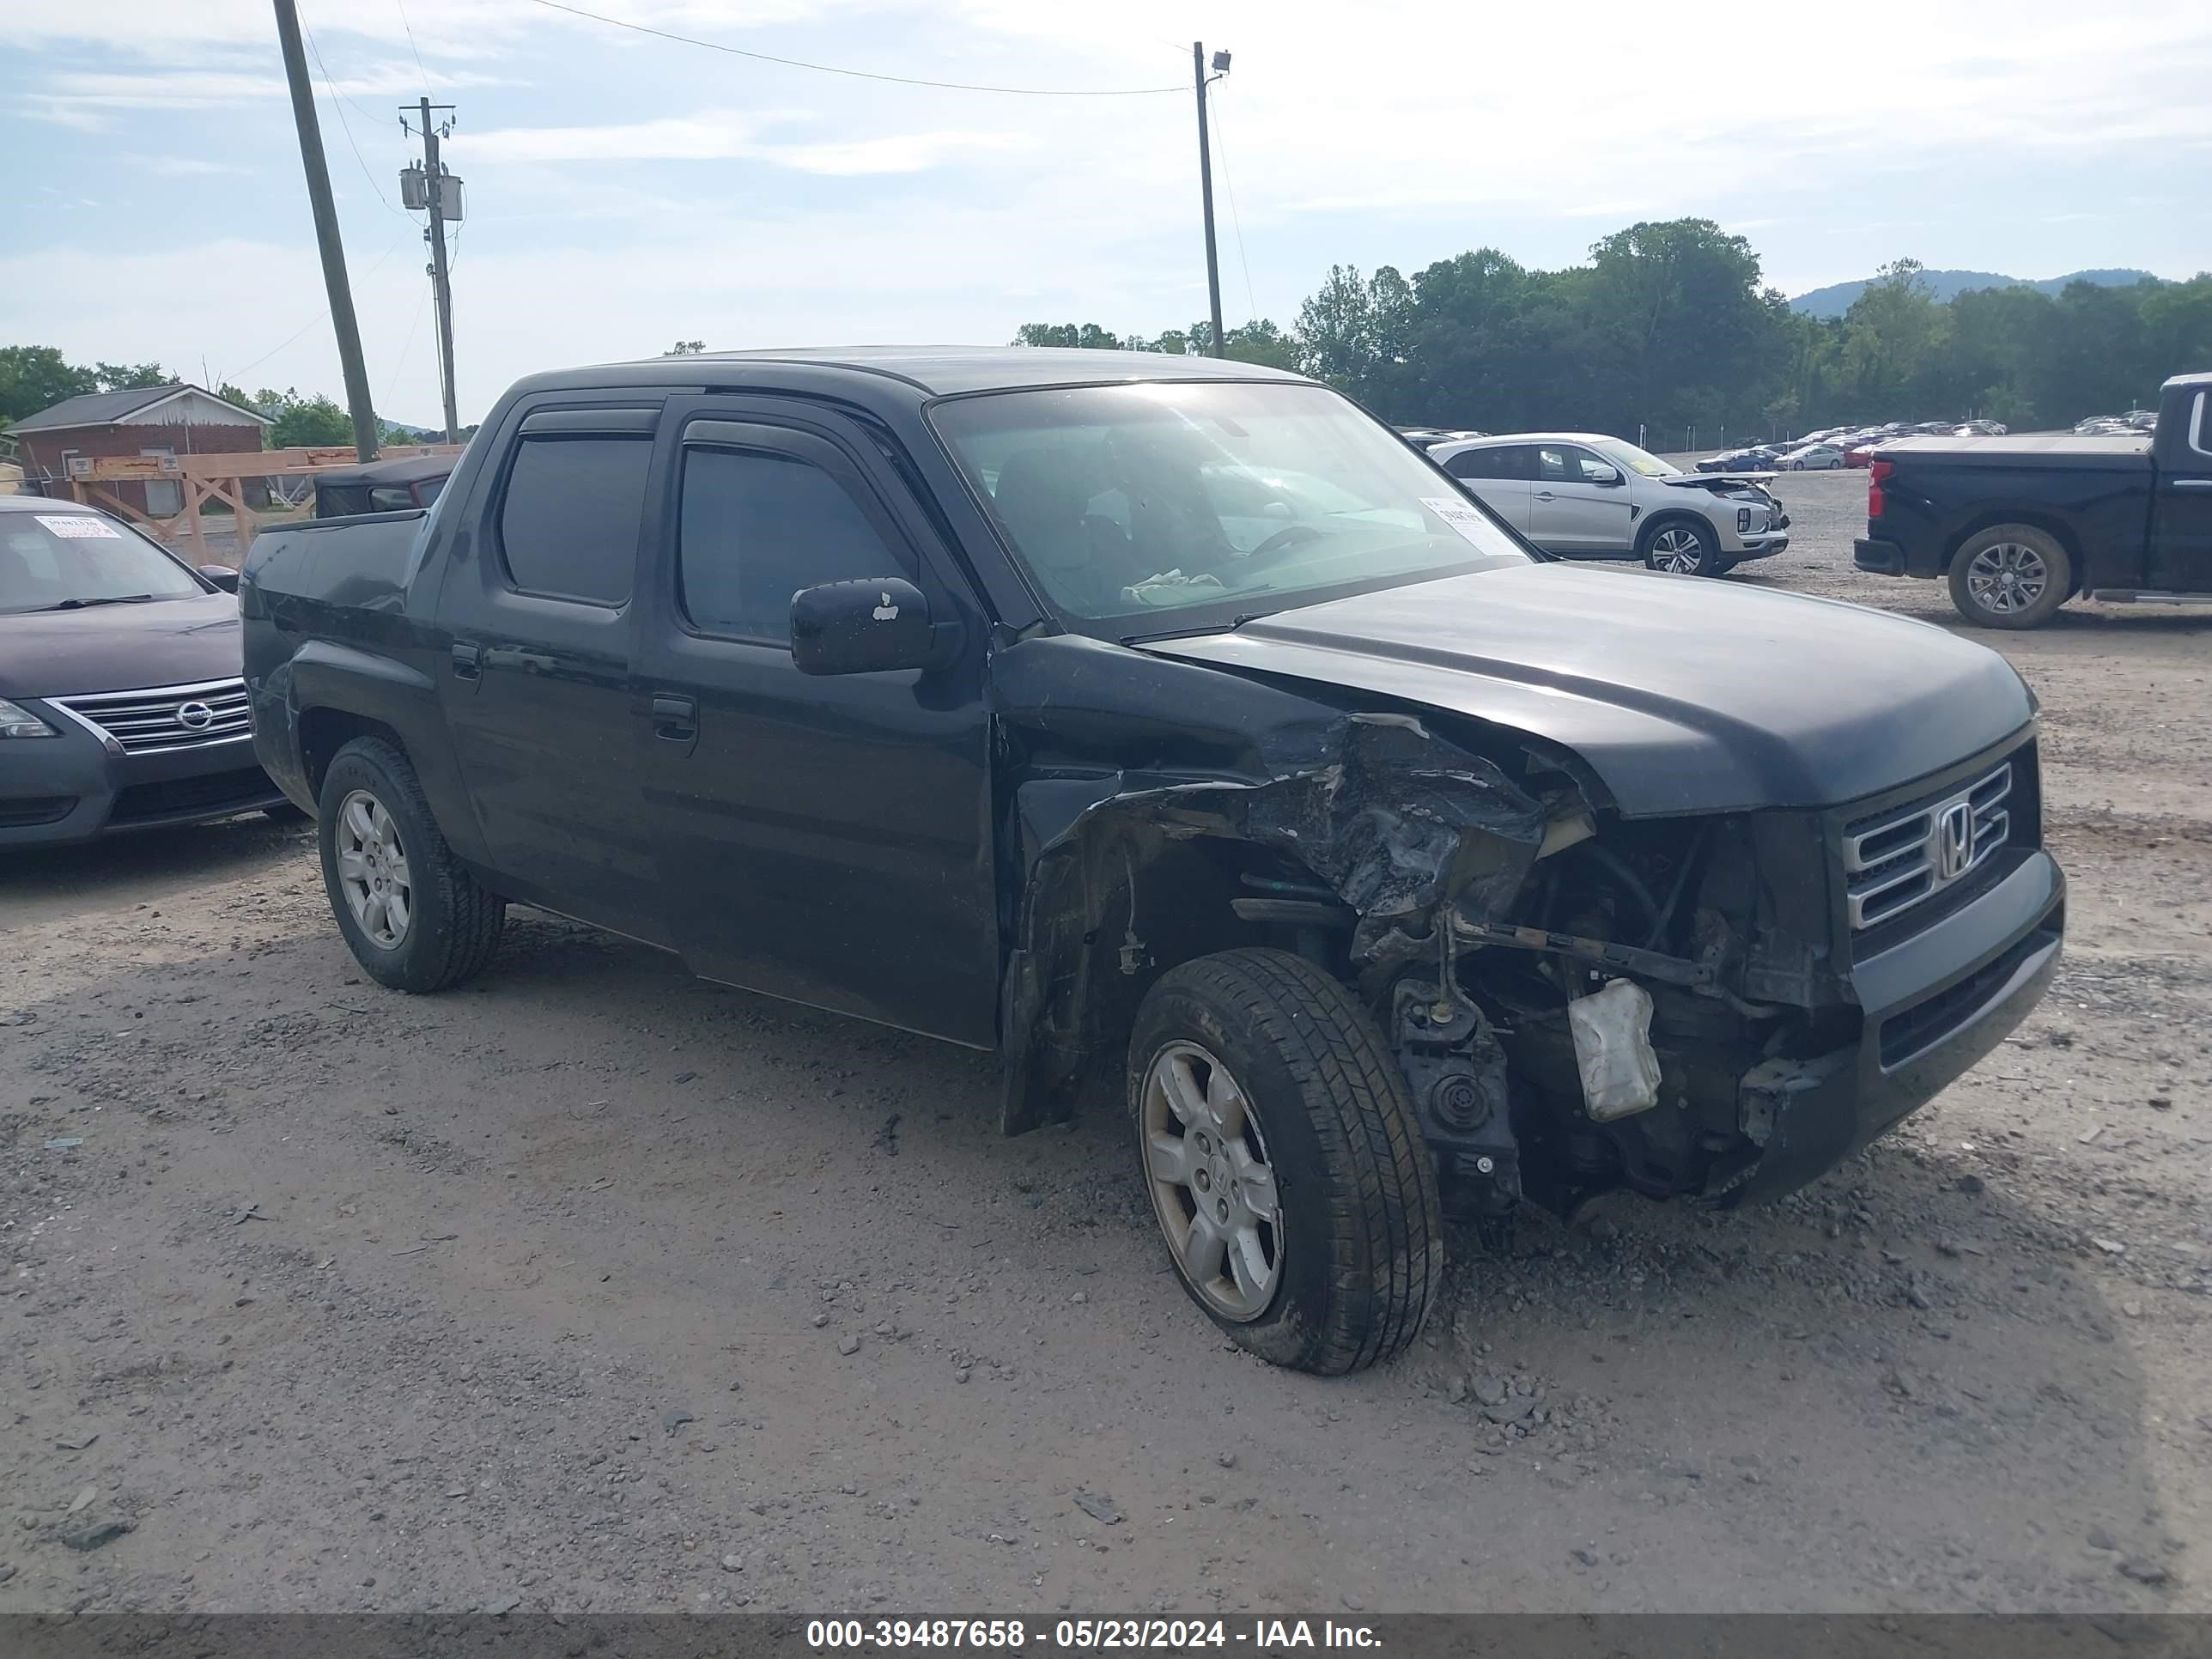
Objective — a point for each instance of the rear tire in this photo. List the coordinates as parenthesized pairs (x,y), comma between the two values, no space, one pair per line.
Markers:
(414,917)
(1286,1169)
(2010,575)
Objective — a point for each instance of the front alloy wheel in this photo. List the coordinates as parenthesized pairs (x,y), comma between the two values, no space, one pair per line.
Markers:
(1285,1164)
(1675,551)
(1212,1188)
(373,873)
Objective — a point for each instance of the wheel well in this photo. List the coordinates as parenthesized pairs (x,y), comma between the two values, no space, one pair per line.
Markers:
(1658,521)
(323,731)
(1115,913)
(2054,528)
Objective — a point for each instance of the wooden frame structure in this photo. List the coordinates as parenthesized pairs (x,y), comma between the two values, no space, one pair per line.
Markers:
(207,478)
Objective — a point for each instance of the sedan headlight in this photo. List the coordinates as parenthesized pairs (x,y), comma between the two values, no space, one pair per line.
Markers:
(17,721)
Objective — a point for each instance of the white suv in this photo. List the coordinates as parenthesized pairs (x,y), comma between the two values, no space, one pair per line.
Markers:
(1588,496)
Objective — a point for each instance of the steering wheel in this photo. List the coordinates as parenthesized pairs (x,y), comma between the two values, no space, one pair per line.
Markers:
(1290,536)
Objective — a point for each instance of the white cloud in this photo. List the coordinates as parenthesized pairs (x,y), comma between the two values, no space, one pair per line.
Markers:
(188,167)
(721,135)
(85,99)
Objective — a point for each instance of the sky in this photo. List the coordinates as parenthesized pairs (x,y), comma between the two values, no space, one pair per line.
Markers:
(625,192)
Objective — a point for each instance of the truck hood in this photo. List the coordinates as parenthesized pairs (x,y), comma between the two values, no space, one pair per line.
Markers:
(1682,695)
(119,647)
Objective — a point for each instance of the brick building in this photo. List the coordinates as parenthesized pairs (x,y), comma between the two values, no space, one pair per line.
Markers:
(179,419)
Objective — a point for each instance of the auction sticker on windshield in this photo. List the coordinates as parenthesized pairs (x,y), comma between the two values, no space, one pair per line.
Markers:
(81,529)
(1466,518)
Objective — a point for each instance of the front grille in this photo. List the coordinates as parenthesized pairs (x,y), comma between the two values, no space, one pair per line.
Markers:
(1906,855)
(211,793)
(165,717)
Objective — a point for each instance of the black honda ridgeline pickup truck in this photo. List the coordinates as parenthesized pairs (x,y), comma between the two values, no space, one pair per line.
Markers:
(2020,524)
(1171,722)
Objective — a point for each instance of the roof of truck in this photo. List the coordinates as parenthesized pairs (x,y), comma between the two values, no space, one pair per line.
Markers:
(408,469)
(941,370)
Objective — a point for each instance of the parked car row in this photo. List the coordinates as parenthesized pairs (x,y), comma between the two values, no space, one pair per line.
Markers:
(1832,447)
(2136,423)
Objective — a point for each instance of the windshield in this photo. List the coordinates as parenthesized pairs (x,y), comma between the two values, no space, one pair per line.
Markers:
(1629,459)
(70,558)
(1172,497)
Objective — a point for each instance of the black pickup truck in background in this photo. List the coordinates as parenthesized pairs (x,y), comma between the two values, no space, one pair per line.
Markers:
(2020,524)
(1172,723)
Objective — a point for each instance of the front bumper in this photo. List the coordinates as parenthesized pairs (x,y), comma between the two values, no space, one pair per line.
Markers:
(73,788)
(1760,545)
(1934,1004)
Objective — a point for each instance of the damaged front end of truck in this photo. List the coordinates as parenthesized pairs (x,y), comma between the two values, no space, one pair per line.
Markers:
(1578,1001)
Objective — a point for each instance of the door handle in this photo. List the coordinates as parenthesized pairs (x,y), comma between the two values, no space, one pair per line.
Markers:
(2192,483)
(675,720)
(468,661)
(1546,495)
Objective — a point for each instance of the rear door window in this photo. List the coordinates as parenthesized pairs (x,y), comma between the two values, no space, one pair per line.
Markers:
(568,525)
(1504,461)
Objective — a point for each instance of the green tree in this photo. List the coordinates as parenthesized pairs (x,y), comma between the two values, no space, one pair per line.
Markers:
(1262,342)
(33,378)
(130,377)
(685,349)
(303,422)
(1088,336)
(1895,338)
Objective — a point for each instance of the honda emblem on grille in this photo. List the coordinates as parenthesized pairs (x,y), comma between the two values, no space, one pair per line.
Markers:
(1954,841)
(195,716)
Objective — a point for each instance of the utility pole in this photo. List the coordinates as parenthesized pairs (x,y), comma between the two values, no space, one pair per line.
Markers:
(1205,187)
(342,323)
(434,181)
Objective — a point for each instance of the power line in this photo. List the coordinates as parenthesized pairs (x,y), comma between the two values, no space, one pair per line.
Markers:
(344,125)
(399,363)
(312,321)
(1229,188)
(858,74)
(411,46)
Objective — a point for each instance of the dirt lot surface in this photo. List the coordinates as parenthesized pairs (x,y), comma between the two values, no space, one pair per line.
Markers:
(594,1286)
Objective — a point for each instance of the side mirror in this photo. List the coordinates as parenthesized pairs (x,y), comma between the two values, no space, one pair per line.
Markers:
(861,628)
(221,575)
(1607,476)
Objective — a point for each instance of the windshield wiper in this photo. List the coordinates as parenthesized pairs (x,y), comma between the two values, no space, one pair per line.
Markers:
(83,604)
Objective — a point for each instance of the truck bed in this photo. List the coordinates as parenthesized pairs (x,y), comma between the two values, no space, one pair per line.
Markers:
(2041,450)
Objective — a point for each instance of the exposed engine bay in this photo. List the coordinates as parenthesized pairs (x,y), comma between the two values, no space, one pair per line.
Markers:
(1578,1002)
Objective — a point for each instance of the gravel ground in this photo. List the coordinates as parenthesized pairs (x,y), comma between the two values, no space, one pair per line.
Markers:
(594,1287)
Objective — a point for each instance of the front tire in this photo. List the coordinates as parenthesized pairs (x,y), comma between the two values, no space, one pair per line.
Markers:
(1284,1163)
(1682,547)
(413,918)
(2010,575)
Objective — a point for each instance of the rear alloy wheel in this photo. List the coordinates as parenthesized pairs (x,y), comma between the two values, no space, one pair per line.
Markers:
(2010,575)
(1682,549)
(411,912)
(1285,1168)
